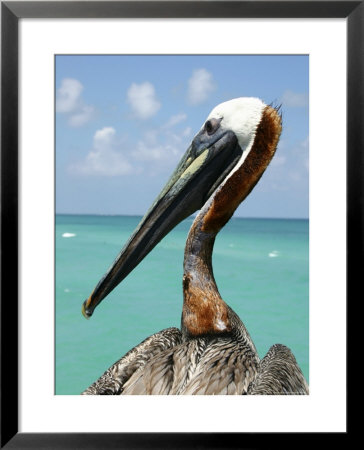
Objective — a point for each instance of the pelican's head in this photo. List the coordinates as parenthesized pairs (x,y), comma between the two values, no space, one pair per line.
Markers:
(238,137)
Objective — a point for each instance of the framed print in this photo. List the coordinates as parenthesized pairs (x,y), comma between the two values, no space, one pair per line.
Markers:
(80,81)
(126,173)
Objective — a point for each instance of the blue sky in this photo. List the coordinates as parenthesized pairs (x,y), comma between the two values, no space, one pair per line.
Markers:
(123,123)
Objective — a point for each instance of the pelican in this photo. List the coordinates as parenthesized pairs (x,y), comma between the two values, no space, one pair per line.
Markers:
(213,352)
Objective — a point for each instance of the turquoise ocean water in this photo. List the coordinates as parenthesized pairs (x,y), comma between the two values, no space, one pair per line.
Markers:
(260,266)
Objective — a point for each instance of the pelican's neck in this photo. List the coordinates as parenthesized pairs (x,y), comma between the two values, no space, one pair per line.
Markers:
(204,311)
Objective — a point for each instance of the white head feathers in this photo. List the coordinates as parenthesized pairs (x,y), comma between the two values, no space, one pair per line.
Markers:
(242,116)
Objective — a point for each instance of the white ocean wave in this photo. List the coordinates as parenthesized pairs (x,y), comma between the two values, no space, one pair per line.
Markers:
(273,254)
(68,235)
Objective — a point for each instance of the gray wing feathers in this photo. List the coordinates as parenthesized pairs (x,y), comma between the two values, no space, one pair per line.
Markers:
(113,380)
(167,373)
(225,370)
(153,378)
(279,374)
(194,368)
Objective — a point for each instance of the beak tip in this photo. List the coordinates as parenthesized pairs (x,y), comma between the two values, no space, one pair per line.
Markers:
(86,313)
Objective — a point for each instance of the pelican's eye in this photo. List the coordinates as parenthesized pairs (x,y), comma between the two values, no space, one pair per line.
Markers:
(212,125)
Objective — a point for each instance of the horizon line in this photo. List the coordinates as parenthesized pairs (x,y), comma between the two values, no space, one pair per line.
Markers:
(192,215)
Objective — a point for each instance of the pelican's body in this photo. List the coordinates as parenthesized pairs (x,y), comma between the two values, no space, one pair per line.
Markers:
(213,352)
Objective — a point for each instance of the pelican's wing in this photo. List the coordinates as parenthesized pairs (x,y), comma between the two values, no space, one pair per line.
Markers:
(155,378)
(113,380)
(167,372)
(279,374)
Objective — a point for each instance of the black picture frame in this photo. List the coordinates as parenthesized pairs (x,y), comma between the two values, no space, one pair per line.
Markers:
(11,12)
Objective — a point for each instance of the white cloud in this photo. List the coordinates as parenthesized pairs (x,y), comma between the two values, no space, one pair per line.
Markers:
(200,86)
(105,158)
(156,152)
(294,99)
(162,145)
(103,138)
(143,100)
(174,120)
(146,153)
(70,102)
(68,95)
(82,116)
(159,149)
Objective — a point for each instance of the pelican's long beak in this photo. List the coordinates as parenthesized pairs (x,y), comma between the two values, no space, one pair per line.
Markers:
(205,164)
